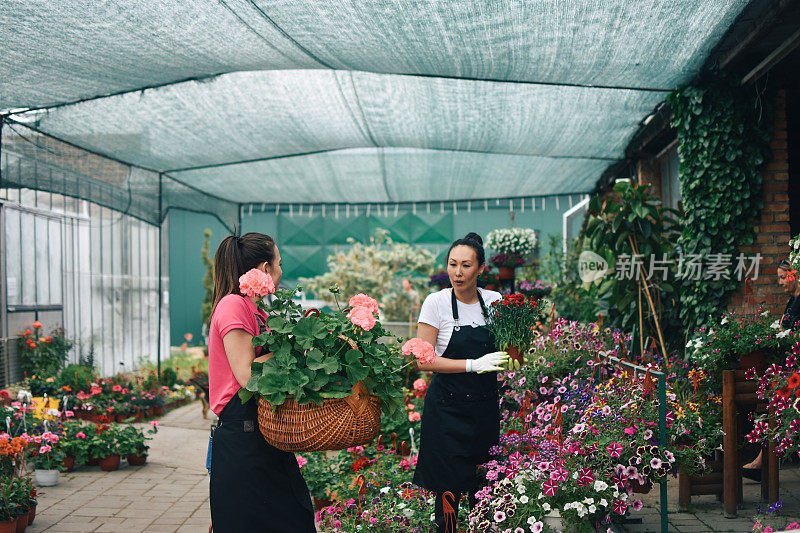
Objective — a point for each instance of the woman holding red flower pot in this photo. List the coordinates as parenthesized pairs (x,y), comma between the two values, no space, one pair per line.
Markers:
(254,486)
(460,417)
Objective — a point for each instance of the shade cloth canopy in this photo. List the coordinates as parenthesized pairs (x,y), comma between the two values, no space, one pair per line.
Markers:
(344,101)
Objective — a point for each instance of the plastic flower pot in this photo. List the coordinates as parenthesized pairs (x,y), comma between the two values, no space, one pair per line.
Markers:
(8,527)
(46,478)
(505,272)
(554,521)
(515,353)
(320,503)
(136,460)
(22,523)
(110,463)
(31,514)
(69,463)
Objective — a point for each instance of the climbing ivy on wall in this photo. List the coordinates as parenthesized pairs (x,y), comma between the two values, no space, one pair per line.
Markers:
(723,133)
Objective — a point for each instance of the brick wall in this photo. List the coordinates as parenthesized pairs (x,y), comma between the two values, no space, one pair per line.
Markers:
(772,229)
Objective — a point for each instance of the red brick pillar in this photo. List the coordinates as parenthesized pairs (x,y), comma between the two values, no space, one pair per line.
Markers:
(772,229)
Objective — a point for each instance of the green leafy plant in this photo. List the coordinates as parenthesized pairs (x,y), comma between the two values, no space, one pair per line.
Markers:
(208,279)
(133,441)
(322,356)
(723,134)
(103,441)
(573,301)
(628,229)
(76,377)
(75,442)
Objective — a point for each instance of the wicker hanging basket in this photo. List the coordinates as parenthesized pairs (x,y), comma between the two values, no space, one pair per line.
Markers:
(340,423)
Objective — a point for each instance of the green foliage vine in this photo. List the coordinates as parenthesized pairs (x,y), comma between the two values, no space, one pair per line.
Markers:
(723,134)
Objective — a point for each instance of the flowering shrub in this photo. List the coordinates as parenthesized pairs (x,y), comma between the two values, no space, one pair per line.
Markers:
(780,385)
(716,349)
(440,279)
(43,355)
(324,355)
(519,241)
(535,289)
(507,260)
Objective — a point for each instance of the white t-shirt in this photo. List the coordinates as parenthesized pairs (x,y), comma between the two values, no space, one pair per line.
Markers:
(437,311)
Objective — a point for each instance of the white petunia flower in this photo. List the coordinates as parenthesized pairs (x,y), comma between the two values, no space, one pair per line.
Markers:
(600,485)
(523,499)
(783,333)
(776,324)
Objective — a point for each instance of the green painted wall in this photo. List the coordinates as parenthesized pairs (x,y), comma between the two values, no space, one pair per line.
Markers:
(186,270)
(306,241)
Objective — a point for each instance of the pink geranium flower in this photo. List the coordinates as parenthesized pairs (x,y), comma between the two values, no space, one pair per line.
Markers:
(421,349)
(414,416)
(420,385)
(44,449)
(362,317)
(362,300)
(80,435)
(301,461)
(256,283)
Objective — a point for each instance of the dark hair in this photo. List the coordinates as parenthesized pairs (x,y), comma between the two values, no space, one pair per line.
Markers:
(235,256)
(474,241)
(784,264)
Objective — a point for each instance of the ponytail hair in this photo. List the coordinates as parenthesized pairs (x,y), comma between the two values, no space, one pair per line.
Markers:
(474,241)
(235,256)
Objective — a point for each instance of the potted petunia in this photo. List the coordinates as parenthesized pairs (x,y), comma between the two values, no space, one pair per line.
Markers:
(441,280)
(739,342)
(512,247)
(534,289)
(337,359)
(45,454)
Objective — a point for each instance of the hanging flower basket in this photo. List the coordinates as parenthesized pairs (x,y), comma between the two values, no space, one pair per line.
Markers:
(506,272)
(340,423)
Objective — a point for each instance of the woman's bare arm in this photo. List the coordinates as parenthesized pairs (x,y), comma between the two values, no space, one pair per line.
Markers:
(443,365)
(240,351)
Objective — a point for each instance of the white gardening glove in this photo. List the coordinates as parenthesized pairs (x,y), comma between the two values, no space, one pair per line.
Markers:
(491,362)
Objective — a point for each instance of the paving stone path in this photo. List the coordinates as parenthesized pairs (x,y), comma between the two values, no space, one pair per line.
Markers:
(168,494)
(706,512)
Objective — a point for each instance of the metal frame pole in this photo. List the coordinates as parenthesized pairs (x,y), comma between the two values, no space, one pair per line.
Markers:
(160,289)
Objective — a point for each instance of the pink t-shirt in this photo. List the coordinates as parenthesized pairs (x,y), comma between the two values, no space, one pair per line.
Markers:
(232,312)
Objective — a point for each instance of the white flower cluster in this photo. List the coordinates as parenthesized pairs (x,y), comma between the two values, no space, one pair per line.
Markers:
(520,241)
(794,251)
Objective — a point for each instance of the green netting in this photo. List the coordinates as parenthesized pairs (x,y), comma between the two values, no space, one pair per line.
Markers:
(344,101)
(61,51)
(34,161)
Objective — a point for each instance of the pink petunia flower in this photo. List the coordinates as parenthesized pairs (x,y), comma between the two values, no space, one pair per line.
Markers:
(619,507)
(614,449)
(256,283)
(550,487)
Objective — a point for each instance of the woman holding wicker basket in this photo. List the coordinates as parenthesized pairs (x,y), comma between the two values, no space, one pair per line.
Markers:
(460,418)
(254,486)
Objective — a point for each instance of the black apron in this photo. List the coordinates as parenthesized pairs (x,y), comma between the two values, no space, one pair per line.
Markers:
(460,416)
(254,486)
